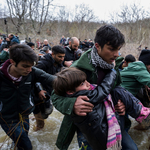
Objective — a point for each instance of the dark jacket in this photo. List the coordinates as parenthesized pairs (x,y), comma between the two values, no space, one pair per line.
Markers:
(70,54)
(48,46)
(65,104)
(94,125)
(15,39)
(46,63)
(4,56)
(15,100)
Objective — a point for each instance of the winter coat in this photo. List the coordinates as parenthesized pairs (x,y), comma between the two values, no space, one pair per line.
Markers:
(4,56)
(46,63)
(134,77)
(15,100)
(14,39)
(48,46)
(94,125)
(70,54)
(65,104)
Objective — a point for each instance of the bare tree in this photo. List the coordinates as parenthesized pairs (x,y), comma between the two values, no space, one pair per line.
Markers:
(81,18)
(131,15)
(21,11)
(17,10)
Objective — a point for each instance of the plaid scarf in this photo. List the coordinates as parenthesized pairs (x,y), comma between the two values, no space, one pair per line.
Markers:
(114,132)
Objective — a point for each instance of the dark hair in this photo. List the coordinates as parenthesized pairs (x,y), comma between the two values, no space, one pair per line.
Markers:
(67,80)
(12,43)
(30,44)
(22,52)
(110,35)
(45,48)
(58,49)
(130,58)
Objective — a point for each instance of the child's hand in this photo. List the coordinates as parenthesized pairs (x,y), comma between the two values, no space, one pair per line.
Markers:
(81,107)
(120,108)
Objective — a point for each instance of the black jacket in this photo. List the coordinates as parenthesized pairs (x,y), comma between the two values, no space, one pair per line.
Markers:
(94,125)
(15,100)
(46,63)
(70,54)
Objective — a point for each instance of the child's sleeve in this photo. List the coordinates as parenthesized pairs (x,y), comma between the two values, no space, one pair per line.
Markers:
(102,90)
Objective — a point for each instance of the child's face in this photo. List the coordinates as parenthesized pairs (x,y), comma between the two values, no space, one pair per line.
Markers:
(83,86)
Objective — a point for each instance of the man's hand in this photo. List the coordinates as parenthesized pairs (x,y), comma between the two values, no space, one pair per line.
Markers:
(81,107)
(42,94)
(68,63)
(120,108)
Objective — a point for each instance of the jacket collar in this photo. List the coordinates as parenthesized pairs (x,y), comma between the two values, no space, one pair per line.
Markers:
(84,62)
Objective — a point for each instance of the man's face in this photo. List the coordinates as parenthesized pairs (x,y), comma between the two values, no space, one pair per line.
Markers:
(148,68)
(107,53)
(74,46)
(59,58)
(45,42)
(10,36)
(23,68)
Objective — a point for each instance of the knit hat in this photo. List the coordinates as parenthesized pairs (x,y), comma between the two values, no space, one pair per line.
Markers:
(145,56)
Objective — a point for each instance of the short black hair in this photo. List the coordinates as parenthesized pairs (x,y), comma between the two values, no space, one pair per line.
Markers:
(58,49)
(30,44)
(130,58)
(45,48)
(110,35)
(22,52)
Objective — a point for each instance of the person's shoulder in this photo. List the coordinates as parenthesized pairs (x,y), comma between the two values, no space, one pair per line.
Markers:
(135,66)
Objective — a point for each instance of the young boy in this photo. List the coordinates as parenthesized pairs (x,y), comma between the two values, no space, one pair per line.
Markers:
(17,79)
(100,127)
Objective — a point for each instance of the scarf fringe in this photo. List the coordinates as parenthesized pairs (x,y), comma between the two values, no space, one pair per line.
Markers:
(117,146)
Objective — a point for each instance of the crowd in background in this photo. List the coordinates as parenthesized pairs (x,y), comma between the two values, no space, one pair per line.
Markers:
(97,60)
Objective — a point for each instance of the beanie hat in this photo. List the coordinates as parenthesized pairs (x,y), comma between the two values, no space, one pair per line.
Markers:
(145,56)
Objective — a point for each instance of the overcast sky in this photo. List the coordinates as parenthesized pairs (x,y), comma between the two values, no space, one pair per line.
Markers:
(103,8)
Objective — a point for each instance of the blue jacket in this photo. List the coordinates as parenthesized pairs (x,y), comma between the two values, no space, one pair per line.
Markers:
(15,39)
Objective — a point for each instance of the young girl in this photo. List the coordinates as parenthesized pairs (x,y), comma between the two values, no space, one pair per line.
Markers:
(100,127)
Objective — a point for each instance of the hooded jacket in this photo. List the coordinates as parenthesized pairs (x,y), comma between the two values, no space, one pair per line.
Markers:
(16,99)
(135,76)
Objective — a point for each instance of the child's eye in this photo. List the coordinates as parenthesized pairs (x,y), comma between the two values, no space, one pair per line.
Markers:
(82,83)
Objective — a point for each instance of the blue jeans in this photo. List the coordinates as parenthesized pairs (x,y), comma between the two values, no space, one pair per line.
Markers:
(17,132)
(127,142)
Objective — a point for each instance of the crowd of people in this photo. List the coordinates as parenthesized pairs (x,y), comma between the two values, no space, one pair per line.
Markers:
(88,82)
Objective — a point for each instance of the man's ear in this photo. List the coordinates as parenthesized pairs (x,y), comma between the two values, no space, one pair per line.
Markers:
(70,92)
(69,42)
(97,46)
(52,54)
(12,62)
